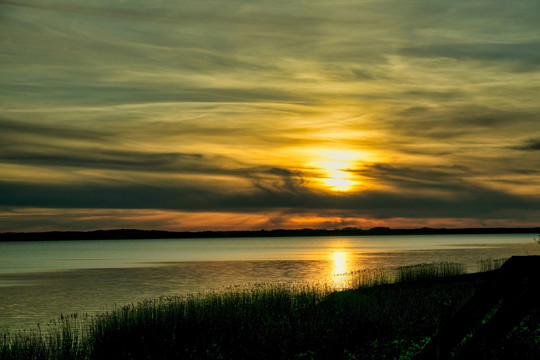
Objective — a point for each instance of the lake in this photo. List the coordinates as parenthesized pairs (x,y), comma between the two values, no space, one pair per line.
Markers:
(39,280)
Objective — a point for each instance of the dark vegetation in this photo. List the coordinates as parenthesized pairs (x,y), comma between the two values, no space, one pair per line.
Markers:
(118,234)
(396,313)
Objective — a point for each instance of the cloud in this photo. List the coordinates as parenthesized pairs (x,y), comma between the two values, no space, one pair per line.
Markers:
(12,129)
(109,159)
(459,122)
(530,145)
(412,198)
(523,56)
(225,106)
(39,219)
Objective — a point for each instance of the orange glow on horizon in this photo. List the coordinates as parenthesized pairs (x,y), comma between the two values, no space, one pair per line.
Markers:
(45,219)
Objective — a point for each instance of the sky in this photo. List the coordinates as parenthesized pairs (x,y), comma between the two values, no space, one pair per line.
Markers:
(196,115)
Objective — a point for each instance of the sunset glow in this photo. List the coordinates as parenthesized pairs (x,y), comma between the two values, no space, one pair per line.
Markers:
(336,169)
(247,115)
(339,184)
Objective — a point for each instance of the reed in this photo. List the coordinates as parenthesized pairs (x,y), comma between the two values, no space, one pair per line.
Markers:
(429,271)
(62,338)
(385,313)
(489,264)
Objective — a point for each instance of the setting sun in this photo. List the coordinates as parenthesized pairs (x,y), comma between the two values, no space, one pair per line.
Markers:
(339,184)
(334,169)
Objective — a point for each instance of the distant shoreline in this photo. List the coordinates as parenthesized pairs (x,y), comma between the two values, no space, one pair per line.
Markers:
(130,234)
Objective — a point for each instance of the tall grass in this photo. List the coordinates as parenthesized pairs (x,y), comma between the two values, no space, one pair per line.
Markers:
(429,271)
(62,338)
(262,321)
(371,277)
(489,264)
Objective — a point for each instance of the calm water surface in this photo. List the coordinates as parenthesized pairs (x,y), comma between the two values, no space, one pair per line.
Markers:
(41,280)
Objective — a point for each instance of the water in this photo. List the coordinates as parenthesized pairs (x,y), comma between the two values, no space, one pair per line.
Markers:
(41,280)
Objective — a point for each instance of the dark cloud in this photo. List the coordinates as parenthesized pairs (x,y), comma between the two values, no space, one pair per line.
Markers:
(462,199)
(362,74)
(463,122)
(108,159)
(57,147)
(524,56)
(82,9)
(530,145)
(10,129)
(280,181)
(155,164)
(450,179)
(105,94)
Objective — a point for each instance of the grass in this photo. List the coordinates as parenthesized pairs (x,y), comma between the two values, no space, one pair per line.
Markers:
(490,264)
(385,314)
(429,271)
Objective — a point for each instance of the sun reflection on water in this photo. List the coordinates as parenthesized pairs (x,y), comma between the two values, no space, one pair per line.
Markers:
(341,267)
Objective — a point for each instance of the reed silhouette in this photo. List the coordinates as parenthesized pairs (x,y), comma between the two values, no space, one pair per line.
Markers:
(391,313)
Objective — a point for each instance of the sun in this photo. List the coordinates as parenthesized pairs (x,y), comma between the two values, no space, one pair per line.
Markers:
(334,169)
(339,184)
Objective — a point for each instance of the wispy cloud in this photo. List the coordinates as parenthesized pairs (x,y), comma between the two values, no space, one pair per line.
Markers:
(212,106)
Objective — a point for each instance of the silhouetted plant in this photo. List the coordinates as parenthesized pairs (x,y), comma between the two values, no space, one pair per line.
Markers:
(429,271)
(489,264)
(376,318)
